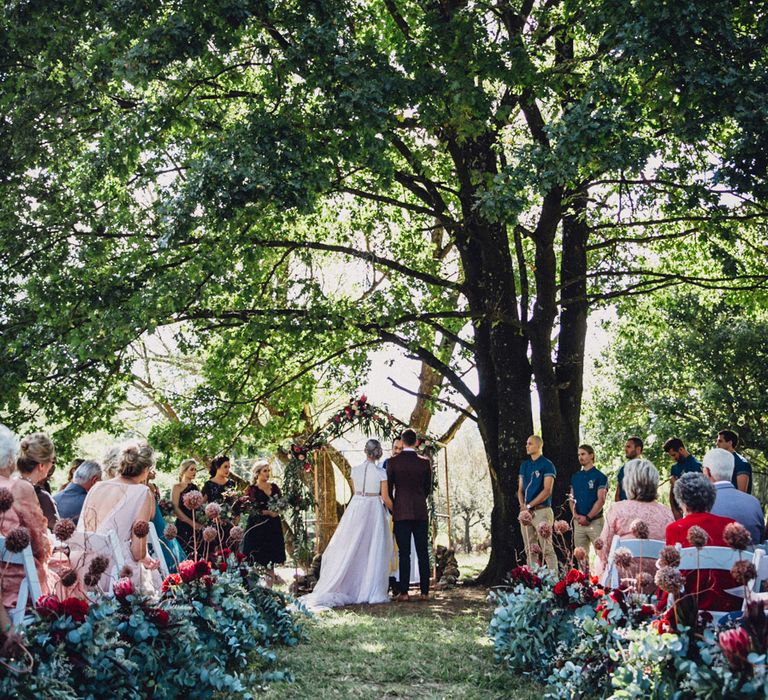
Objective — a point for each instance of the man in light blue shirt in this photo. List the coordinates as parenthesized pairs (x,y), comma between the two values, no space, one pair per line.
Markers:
(730,501)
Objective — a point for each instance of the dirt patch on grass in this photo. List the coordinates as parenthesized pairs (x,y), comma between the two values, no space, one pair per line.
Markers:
(454,601)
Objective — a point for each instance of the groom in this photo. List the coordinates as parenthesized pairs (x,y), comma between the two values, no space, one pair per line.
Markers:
(410,482)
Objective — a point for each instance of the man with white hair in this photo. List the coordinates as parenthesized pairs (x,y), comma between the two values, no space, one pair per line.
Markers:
(730,501)
(70,500)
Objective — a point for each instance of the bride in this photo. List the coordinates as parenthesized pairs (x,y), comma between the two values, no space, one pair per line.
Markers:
(355,565)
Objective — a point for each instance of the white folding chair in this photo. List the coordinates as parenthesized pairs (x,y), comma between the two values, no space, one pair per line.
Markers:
(647,549)
(156,546)
(721,559)
(84,546)
(30,586)
(762,568)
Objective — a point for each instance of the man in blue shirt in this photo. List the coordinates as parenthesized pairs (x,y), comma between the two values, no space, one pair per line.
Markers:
(730,502)
(633,449)
(742,470)
(70,500)
(589,488)
(684,462)
(534,493)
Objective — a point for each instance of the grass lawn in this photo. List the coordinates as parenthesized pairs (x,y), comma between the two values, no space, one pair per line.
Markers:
(401,650)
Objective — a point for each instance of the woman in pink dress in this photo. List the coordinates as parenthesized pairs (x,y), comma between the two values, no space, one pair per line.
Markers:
(119,505)
(25,512)
(641,483)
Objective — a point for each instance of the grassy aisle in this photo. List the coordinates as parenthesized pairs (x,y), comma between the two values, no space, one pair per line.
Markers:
(401,650)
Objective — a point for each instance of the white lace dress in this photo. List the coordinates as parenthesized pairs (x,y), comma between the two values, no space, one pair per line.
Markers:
(355,566)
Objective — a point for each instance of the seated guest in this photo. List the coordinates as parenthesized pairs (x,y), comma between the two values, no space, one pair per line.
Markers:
(696,494)
(23,512)
(641,484)
(731,502)
(73,465)
(36,457)
(110,460)
(70,501)
(126,505)
(588,490)
(742,469)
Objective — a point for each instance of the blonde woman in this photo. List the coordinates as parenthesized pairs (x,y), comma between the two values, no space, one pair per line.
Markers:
(184,523)
(264,542)
(37,456)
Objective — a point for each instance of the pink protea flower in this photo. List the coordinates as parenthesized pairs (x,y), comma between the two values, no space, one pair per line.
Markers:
(736,646)
(17,540)
(122,588)
(580,554)
(743,572)
(669,556)
(236,534)
(545,530)
(598,544)
(6,499)
(141,528)
(193,500)
(213,511)
(623,557)
(171,532)
(99,564)
(669,580)
(561,527)
(525,518)
(697,536)
(737,536)
(210,534)
(64,529)
(639,529)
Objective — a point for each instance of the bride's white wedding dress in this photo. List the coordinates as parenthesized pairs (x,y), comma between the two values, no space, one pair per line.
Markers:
(355,566)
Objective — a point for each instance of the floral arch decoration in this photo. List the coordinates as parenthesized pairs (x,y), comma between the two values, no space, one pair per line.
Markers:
(297,488)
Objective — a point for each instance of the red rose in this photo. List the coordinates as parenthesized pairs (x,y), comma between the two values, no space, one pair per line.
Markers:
(363,398)
(240,556)
(159,616)
(594,580)
(48,605)
(222,566)
(559,588)
(574,576)
(76,608)
(170,581)
(122,588)
(647,609)
(202,568)
(307,467)
(186,570)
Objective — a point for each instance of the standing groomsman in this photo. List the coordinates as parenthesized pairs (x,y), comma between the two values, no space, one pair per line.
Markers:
(633,449)
(534,492)
(589,488)
(684,462)
(742,470)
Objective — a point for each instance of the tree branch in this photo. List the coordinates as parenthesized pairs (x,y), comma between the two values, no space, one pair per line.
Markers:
(463,411)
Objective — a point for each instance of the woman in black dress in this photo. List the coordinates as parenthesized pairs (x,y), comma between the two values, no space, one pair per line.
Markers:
(186,483)
(264,542)
(216,490)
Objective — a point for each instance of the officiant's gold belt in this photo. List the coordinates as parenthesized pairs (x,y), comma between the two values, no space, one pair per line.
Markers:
(363,493)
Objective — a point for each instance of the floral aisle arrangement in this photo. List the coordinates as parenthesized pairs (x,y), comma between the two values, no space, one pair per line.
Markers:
(210,633)
(586,641)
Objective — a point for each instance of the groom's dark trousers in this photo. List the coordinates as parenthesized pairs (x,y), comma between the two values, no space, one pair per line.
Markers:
(403,531)
(410,482)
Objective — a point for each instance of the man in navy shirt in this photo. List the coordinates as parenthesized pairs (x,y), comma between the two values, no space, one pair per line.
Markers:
(534,493)
(742,470)
(633,449)
(70,501)
(684,462)
(589,488)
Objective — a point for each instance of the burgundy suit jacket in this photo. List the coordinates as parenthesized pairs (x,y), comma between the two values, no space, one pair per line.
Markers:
(410,482)
(712,584)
